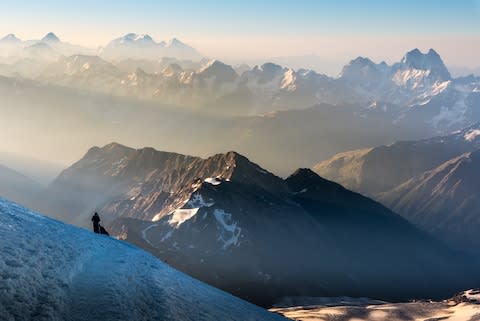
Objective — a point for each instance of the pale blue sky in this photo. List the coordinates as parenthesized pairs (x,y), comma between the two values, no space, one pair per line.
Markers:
(254,29)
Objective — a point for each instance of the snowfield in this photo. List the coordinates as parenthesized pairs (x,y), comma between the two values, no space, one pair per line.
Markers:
(463,307)
(53,271)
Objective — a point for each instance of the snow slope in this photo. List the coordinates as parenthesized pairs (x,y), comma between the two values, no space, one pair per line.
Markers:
(463,307)
(53,271)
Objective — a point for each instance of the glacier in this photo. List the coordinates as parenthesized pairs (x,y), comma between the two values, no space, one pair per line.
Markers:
(53,271)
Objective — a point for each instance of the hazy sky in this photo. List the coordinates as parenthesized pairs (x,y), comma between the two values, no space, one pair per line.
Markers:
(332,31)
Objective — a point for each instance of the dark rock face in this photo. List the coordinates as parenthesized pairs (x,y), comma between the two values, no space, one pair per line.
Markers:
(431,182)
(443,201)
(230,223)
(144,183)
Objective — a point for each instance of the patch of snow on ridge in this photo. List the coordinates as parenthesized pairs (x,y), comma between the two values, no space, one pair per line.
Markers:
(471,135)
(179,216)
(450,116)
(198,201)
(411,77)
(439,87)
(288,81)
(213,180)
(229,233)
(302,191)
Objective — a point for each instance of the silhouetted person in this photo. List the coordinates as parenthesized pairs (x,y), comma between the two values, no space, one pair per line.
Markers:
(96,223)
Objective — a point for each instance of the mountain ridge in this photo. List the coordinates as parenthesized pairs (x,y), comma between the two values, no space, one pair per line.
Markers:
(219,219)
(430,182)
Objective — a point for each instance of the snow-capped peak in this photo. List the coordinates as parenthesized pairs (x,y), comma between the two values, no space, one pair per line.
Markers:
(50,38)
(361,61)
(133,39)
(288,81)
(10,38)
(472,134)
(429,61)
(138,37)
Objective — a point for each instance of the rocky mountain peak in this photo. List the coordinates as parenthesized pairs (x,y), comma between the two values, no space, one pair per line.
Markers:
(304,180)
(362,70)
(220,71)
(235,167)
(426,61)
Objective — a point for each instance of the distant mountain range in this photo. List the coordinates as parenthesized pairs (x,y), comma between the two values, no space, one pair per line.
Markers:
(143,46)
(230,223)
(128,46)
(418,90)
(281,117)
(432,182)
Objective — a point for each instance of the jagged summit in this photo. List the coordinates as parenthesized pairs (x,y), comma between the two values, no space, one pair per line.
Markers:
(361,61)
(362,72)
(143,46)
(268,69)
(229,214)
(171,70)
(428,61)
(121,169)
(135,39)
(221,71)
(265,73)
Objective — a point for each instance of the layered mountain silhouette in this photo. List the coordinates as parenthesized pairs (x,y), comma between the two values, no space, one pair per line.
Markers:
(430,182)
(375,170)
(245,109)
(232,224)
(418,89)
(443,201)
